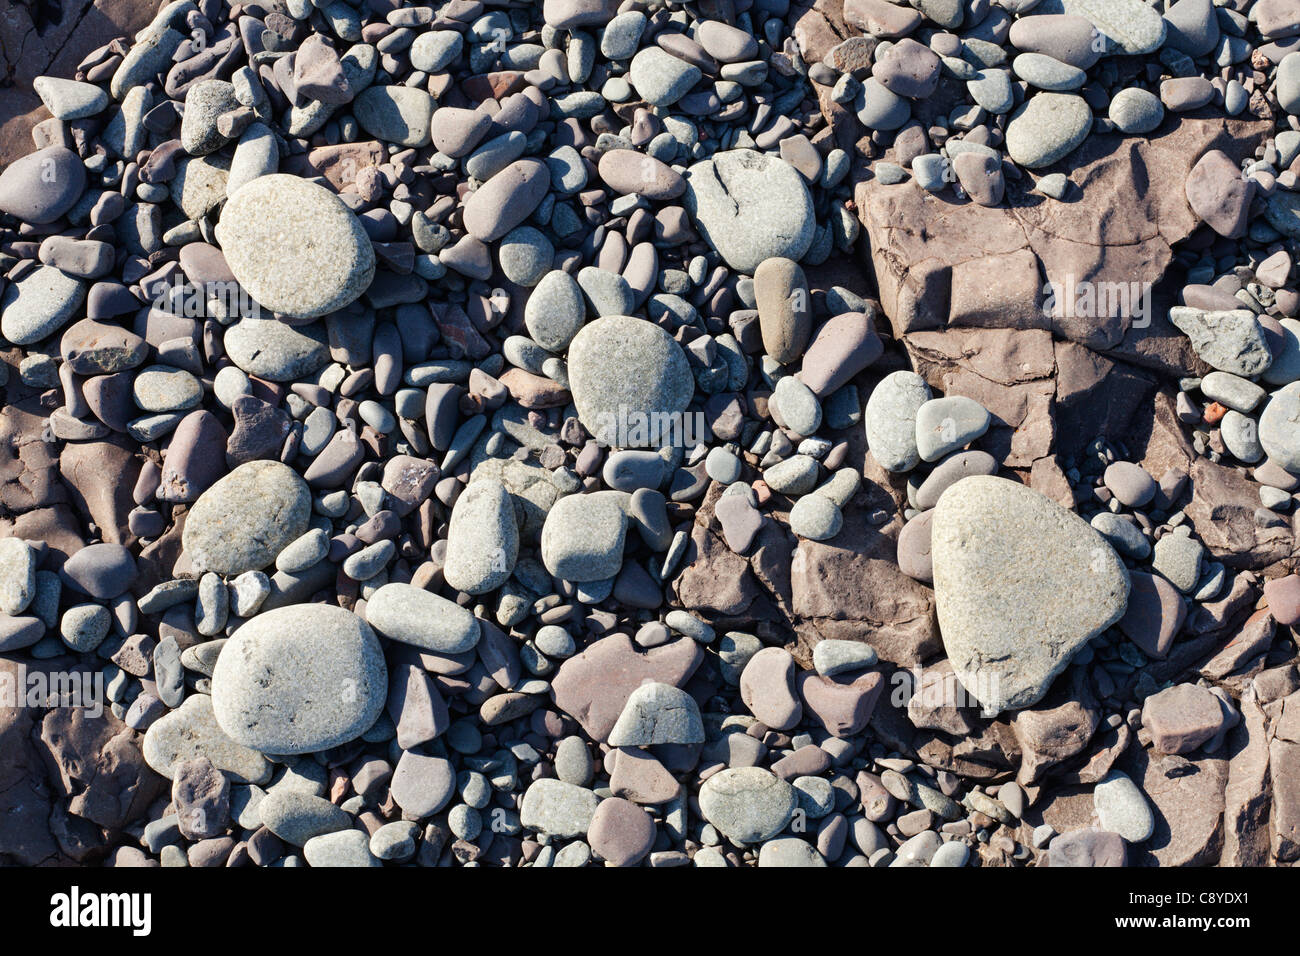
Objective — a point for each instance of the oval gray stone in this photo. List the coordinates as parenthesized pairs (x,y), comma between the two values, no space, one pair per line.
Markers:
(299,679)
(247,518)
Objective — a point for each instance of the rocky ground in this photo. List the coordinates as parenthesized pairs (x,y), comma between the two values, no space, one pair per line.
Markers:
(721,434)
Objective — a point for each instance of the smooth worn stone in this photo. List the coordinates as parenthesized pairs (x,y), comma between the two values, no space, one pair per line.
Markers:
(1177,558)
(299,679)
(1134,26)
(880,108)
(914,544)
(841,347)
(1155,614)
(161,388)
(555,311)
(192,730)
(244,520)
(1136,111)
(658,713)
(506,200)
(890,420)
(1132,485)
(767,687)
(834,657)
(39,304)
(276,351)
(412,615)
(630,381)
(1065,37)
(1047,128)
(295,247)
(1088,847)
(946,424)
(582,539)
(843,704)
(1181,718)
(422,785)
(629,172)
(750,206)
(557,808)
(395,114)
(784,309)
(1011,618)
(41,186)
(789,851)
(951,470)
(17,576)
(661,78)
(344,848)
(1121,808)
(816,518)
(69,100)
(102,571)
(620,832)
(747,804)
(297,817)
(482,538)
(1048,73)
(797,406)
(1279,434)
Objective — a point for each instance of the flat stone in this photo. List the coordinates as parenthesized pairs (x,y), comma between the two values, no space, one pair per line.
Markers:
(657,713)
(1048,128)
(243,521)
(630,381)
(295,247)
(747,804)
(412,615)
(890,420)
(1121,808)
(557,808)
(299,679)
(750,206)
(1012,618)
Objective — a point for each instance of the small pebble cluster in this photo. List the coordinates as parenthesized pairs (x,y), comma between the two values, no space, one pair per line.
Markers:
(478,433)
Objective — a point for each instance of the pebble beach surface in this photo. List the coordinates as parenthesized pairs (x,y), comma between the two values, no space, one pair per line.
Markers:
(595,433)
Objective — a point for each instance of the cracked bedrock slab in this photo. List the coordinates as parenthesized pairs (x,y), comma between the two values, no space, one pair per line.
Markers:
(939,263)
(66,31)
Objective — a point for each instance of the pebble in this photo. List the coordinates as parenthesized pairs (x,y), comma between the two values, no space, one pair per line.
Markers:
(1136,111)
(630,381)
(244,520)
(891,420)
(658,713)
(39,304)
(558,809)
(582,539)
(1121,808)
(944,425)
(816,518)
(411,615)
(1048,128)
(345,848)
(747,804)
(42,186)
(299,679)
(295,247)
(1278,436)
(1231,341)
(482,539)
(1010,619)
(749,207)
